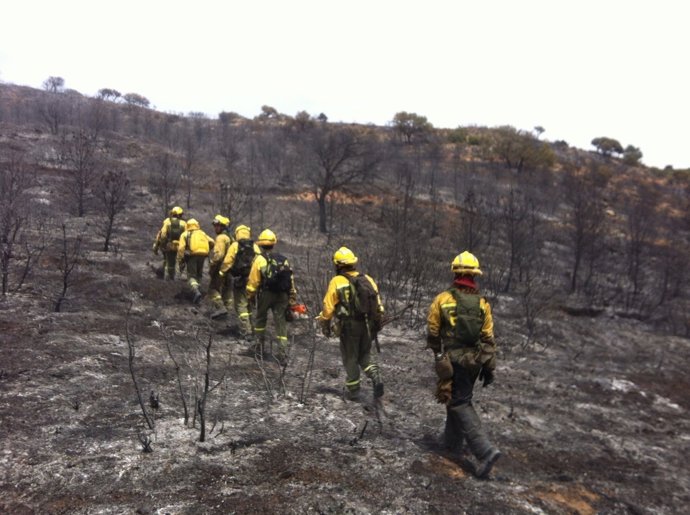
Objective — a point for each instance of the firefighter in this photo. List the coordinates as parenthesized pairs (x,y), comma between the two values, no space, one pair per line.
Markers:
(167,239)
(358,320)
(236,266)
(271,280)
(192,252)
(220,286)
(460,333)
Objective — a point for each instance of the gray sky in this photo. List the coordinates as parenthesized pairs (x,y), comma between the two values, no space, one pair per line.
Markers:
(580,69)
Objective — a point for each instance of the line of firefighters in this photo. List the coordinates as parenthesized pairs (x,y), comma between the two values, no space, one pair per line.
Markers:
(459,323)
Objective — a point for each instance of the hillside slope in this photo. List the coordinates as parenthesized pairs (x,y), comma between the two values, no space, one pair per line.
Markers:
(593,421)
(590,404)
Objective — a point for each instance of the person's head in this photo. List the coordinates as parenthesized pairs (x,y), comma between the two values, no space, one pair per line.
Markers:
(242,232)
(220,223)
(344,259)
(465,264)
(192,224)
(176,211)
(267,239)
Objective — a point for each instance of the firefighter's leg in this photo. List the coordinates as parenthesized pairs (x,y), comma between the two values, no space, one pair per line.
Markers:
(226,292)
(241,306)
(263,306)
(169,259)
(349,354)
(214,292)
(194,268)
(467,421)
(280,304)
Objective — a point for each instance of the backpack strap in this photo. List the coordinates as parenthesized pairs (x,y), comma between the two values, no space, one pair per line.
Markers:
(353,296)
(458,297)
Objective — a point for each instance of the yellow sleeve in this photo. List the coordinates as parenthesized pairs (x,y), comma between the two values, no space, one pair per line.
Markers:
(219,249)
(487,335)
(163,232)
(331,298)
(433,319)
(230,256)
(381,309)
(181,246)
(254,280)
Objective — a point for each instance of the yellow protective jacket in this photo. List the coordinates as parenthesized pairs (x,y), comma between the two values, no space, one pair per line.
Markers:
(256,276)
(162,236)
(220,248)
(231,255)
(198,242)
(441,320)
(339,289)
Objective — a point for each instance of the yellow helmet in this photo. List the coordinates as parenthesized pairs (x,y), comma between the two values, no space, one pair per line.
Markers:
(242,232)
(344,257)
(267,238)
(192,224)
(466,263)
(221,220)
(176,211)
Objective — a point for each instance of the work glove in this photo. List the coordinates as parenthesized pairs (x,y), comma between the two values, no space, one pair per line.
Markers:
(325,326)
(444,390)
(486,376)
(221,273)
(433,342)
(155,249)
(443,366)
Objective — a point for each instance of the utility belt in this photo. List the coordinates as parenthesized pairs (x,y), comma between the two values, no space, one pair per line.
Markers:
(353,318)
(451,344)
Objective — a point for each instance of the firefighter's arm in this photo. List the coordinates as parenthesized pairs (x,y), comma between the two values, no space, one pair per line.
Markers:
(433,324)
(181,246)
(157,243)
(218,252)
(254,279)
(293,291)
(379,307)
(162,235)
(229,260)
(487,334)
(330,299)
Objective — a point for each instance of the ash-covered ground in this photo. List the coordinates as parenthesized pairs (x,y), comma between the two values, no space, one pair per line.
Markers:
(592,418)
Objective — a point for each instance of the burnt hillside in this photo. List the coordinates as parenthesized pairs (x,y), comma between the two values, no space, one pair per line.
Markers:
(585,261)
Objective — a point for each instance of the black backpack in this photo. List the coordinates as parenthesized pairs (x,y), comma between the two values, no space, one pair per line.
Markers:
(243,259)
(278,275)
(364,302)
(175,230)
(469,317)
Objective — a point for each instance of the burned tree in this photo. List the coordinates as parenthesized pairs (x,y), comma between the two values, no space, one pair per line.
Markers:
(112,192)
(16,177)
(335,159)
(78,154)
(587,222)
(164,178)
(52,107)
(70,258)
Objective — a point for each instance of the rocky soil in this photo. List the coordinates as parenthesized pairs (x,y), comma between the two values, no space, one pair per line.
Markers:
(592,418)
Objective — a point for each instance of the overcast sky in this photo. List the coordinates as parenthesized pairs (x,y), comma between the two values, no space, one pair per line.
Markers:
(578,68)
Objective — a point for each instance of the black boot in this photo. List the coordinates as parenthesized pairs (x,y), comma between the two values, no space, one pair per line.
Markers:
(453,439)
(487,463)
(471,428)
(378,389)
